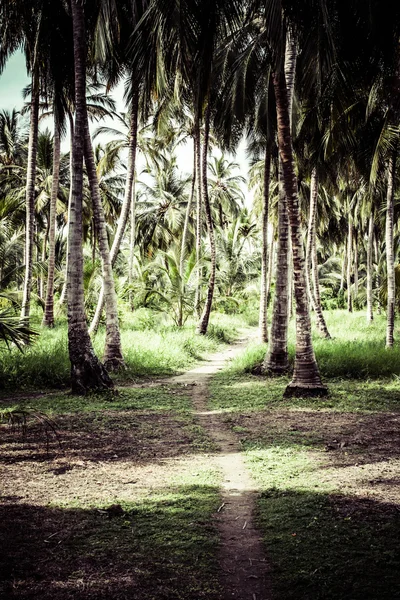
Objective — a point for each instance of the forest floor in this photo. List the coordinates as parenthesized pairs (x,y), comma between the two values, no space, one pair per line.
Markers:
(203,486)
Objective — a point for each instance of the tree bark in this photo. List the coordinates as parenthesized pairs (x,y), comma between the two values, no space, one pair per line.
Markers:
(270,266)
(349,264)
(197,152)
(127,203)
(113,358)
(187,216)
(306,378)
(391,281)
(316,296)
(277,361)
(370,250)
(30,197)
(205,317)
(355,238)
(87,372)
(48,318)
(263,321)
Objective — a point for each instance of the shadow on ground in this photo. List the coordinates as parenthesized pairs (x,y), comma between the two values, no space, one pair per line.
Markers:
(161,548)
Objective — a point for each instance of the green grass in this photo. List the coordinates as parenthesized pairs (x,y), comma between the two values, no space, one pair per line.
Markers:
(152,347)
(356,350)
(162,547)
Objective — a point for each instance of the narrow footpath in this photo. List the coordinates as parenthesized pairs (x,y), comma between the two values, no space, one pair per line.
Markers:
(244,568)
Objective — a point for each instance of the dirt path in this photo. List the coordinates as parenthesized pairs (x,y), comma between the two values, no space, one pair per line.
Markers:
(245,573)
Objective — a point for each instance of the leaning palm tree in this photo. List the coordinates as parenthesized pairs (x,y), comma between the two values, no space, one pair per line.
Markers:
(87,372)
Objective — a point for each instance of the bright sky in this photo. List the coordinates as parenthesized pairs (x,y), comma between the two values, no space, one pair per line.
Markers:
(14,78)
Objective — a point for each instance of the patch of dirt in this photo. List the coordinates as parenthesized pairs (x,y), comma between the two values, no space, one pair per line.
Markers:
(358,453)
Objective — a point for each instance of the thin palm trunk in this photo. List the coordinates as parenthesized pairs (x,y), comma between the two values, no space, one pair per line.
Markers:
(113,358)
(187,216)
(132,242)
(391,281)
(197,153)
(321,324)
(270,265)
(205,317)
(263,321)
(349,265)
(370,249)
(30,198)
(63,294)
(355,238)
(87,372)
(127,207)
(48,318)
(306,377)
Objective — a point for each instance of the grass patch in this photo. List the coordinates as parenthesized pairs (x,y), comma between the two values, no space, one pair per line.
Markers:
(235,393)
(162,547)
(152,347)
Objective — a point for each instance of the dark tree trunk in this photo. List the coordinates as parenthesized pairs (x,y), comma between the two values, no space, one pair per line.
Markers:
(87,372)
(263,322)
(306,377)
(205,317)
(30,198)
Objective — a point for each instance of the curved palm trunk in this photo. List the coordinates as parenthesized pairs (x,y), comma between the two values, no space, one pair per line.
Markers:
(270,266)
(132,241)
(312,241)
(127,205)
(87,372)
(113,358)
(263,324)
(197,159)
(30,198)
(391,282)
(276,360)
(306,377)
(205,317)
(349,264)
(187,216)
(63,294)
(355,238)
(370,249)
(48,318)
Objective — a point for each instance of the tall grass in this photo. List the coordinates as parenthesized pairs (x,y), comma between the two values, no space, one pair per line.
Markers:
(152,347)
(356,350)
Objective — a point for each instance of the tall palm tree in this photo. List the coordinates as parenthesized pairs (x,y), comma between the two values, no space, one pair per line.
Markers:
(87,372)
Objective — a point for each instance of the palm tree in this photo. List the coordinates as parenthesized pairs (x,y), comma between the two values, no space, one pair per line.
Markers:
(87,372)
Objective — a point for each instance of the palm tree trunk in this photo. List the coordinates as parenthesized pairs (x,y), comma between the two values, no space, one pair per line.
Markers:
(370,249)
(355,238)
(306,378)
(87,372)
(113,358)
(205,317)
(342,275)
(276,360)
(187,216)
(270,266)
(63,294)
(132,242)
(30,198)
(391,281)
(127,204)
(263,323)
(349,264)
(48,317)
(197,152)
(321,324)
